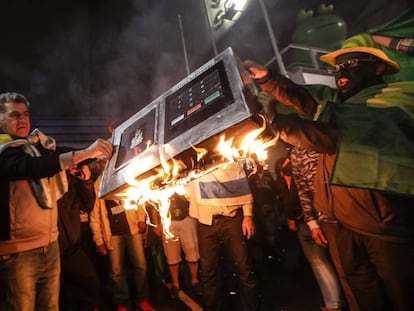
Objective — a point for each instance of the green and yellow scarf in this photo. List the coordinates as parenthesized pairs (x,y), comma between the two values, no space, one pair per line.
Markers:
(376,144)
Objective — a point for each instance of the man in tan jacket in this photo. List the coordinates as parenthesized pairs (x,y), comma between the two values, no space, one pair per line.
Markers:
(118,231)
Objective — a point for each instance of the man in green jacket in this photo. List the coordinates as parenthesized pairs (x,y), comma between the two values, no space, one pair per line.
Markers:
(364,133)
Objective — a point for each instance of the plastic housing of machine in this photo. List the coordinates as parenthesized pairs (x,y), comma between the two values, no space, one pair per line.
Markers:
(217,98)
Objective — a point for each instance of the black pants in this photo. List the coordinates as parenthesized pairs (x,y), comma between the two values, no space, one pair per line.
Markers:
(226,231)
(79,286)
(379,272)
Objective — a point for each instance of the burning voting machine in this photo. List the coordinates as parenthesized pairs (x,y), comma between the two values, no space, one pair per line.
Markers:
(217,99)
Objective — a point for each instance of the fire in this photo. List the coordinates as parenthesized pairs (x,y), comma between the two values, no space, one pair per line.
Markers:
(250,145)
(144,192)
(201,152)
(173,174)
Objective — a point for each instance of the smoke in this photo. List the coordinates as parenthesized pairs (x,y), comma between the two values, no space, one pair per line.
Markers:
(112,58)
(147,58)
(109,60)
(60,79)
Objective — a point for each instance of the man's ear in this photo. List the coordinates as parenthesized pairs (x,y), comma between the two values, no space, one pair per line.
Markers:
(381,69)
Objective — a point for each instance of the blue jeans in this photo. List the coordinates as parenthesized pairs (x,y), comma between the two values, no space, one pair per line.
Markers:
(226,231)
(32,279)
(132,244)
(322,267)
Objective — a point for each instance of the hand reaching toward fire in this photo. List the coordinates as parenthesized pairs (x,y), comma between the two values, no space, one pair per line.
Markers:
(256,71)
(248,226)
(101,148)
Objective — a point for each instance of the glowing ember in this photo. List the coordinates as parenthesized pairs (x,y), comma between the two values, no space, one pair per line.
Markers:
(157,189)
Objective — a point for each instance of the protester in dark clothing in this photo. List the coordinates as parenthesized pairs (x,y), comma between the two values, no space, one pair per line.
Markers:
(374,234)
(262,185)
(32,178)
(80,285)
(286,189)
(298,171)
(101,263)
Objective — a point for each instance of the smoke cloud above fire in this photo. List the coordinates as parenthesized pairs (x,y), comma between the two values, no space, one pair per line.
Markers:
(113,59)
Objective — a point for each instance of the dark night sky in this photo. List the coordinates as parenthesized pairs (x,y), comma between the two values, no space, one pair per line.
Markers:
(111,57)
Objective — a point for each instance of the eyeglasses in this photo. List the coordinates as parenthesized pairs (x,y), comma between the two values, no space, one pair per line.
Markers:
(351,63)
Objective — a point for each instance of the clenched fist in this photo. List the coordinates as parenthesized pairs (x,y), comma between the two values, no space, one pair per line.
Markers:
(256,71)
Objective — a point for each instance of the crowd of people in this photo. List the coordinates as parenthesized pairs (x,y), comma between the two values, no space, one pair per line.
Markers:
(344,186)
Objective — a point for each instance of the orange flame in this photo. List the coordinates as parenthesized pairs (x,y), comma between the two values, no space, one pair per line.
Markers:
(201,152)
(250,145)
(172,176)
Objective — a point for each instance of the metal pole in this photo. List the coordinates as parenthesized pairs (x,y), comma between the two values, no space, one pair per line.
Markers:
(184,46)
(273,40)
(213,41)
